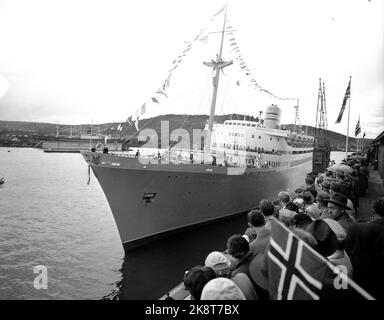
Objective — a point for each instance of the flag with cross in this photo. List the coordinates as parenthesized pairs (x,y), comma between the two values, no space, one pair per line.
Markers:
(296,271)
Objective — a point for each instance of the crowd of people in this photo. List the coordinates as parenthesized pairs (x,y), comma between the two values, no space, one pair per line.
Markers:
(324,213)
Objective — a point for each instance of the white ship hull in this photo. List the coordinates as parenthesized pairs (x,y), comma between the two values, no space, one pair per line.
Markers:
(184,195)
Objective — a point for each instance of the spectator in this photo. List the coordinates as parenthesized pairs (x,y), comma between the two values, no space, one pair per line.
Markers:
(298,192)
(299,202)
(307,237)
(345,187)
(267,209)
(221,289)
(263,234)
(336,188)
(340,257)
(223,267)
(292,206)
(322,204)
(284,198)
(309,185)
(196,278)
(286,215)
(300,220)
(220,263)
(325,186)
(325,238)
(310,207)
(365,246)
(319,180)
(250,232)
(355,188)
(363,179)
(338,204)
(238,248)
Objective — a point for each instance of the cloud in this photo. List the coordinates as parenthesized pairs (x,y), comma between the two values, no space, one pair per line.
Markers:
(4,86)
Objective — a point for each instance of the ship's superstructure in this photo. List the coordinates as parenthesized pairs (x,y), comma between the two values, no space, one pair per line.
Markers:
(242,163)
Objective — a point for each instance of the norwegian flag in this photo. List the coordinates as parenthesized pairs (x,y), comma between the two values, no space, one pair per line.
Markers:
(346,97)
(296,271)
(357,128)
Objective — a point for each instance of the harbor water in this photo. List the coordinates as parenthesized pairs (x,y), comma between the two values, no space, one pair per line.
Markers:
(50,217)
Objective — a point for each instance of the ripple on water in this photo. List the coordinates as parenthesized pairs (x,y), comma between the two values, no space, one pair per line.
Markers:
(50,216)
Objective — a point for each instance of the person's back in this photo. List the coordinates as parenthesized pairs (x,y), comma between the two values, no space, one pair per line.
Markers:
(260,243)
(346,188)
(267,209)
(245,285)
(341,258)
(365,247)
(238,248)
(363,180)
(196,278)
(257,224)
(222,267)
(313,211)
(346,221)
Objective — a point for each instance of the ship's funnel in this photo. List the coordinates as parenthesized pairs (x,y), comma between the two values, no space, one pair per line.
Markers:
(272,117)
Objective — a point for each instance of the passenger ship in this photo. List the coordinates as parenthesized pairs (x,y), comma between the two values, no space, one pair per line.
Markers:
(242,163)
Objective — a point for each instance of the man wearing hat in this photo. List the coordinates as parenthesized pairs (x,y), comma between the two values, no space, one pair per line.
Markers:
(221,289)
(337,188)
(338,204)
(325,186)
(223,267)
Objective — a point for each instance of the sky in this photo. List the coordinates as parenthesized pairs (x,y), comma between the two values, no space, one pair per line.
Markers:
(73,62)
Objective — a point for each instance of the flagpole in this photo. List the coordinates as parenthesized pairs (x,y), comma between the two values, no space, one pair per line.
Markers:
(349,111)
(90,139)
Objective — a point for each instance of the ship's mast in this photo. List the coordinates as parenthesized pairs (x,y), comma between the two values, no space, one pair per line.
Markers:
(217,66)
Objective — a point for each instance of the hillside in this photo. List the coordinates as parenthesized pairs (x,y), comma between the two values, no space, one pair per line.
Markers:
(32,132)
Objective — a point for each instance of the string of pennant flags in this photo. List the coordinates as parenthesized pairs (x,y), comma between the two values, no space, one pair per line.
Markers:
(161,93)
(244,69)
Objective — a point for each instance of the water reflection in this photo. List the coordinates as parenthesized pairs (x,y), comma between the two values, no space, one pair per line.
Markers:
(150,271)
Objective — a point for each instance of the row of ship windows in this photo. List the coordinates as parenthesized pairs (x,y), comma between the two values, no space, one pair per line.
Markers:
(244,148)
(255,149)
(242,135)
(241,124)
